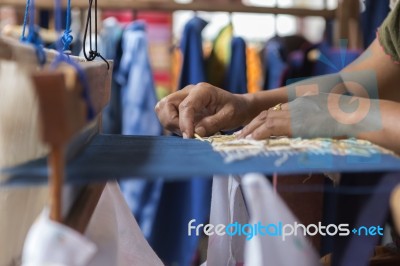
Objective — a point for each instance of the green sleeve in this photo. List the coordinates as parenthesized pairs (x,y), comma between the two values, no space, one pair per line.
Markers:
(389,34)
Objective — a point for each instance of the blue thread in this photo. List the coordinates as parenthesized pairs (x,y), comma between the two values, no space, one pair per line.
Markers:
(28,4)
(65,58)
(33,34)
(67,37)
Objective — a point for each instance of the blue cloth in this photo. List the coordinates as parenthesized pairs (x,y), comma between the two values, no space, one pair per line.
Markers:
(193,65)
(237,72)
(183,201)
(333,60)
(279,60)
(375,13)
(275,65)
(138,98)
(109,157)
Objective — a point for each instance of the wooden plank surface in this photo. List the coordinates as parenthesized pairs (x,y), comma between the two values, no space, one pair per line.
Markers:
(159,5)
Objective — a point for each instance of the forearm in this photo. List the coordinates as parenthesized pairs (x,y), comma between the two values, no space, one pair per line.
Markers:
(373,70)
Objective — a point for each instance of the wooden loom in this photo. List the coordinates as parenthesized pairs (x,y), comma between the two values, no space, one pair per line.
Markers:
(68,95)
(63,122)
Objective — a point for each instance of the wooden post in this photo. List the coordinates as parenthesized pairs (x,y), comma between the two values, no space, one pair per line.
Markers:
(348,24)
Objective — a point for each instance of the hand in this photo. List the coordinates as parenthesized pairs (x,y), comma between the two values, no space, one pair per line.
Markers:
(203,109)
(323,115)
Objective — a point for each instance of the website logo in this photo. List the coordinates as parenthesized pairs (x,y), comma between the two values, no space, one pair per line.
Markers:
(280,230)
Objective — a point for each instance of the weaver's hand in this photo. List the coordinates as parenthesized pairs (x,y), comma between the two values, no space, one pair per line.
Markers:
(203,109)
(323,115)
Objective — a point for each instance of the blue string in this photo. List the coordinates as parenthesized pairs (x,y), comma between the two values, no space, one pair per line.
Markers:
(33,34)
(28,4)
(67,37)
(62,46)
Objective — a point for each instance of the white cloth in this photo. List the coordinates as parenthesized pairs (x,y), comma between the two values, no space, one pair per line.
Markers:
(116,233)
(393,3)
(267,207)
(227,206)
(112,231)
(51,243)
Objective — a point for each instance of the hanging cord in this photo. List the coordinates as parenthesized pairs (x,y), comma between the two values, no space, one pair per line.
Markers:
(33,34)
(64,57)
(93,53)
(67,37)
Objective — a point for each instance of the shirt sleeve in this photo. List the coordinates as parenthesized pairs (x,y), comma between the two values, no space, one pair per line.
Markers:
(389,34)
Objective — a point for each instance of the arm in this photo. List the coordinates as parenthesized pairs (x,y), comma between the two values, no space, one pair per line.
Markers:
(373,61)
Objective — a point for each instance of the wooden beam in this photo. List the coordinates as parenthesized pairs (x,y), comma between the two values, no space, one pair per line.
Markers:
(83,208)
(170,6)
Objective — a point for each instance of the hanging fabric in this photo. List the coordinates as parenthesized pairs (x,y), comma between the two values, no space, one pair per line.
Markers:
(193,65)
(266,207)
(372,18)
(236,80)
(138,98)
(217,64)
(227,207)
(277,60)
(113,238)
(194,193)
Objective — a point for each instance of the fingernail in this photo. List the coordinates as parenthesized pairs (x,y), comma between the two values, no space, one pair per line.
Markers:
(201,131)
(250,137)
(185,136)
(237,132)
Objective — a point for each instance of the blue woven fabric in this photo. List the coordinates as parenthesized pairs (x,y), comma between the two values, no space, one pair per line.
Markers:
(109,157)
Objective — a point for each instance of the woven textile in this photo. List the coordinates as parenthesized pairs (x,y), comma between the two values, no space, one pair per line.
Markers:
(109,157)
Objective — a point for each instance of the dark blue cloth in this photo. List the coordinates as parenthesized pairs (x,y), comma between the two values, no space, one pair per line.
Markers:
(193,65)
(183,201)
(237,72)
(279,59)
(109,157)
(372,18)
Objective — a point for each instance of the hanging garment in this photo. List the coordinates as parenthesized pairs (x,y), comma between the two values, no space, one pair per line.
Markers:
(250,200)
(193,65)
(112,113)
(276,54)
(113,238)
(218,62)
(110,35)
(227,206)
(182,201)
(373,16)
(266,207)
(138,98)
(236,80)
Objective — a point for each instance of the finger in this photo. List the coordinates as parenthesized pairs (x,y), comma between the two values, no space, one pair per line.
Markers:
(195,103)
(167,109)
(210,125)
(255,123)
(275,126)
